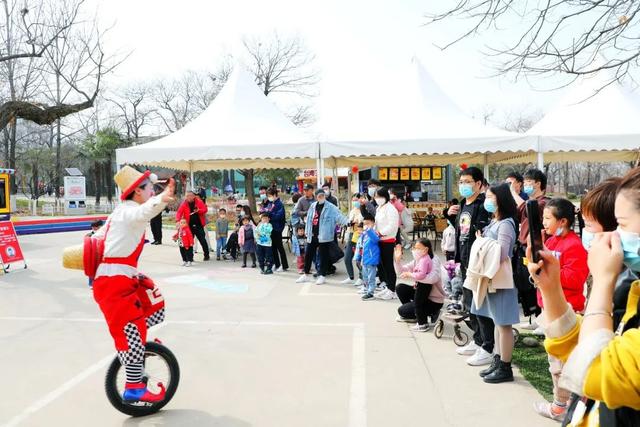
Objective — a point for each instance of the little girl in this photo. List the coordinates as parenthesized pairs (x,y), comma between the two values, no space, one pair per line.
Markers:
(185,240)
(299,244)
(247,241)
(424,270)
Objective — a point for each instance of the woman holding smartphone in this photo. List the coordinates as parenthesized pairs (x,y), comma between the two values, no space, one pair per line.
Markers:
(600,363)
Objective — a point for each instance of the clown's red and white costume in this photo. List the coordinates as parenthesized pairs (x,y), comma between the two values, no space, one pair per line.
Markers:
(130,304)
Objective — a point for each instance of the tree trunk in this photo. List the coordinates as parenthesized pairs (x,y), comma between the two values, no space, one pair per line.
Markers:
(248,188)
(58,160)
(98,176)
(108,180)
(12,154)
(566,178)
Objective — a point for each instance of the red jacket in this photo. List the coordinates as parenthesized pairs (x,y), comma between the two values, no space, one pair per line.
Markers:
(185,212)
(185,234)
(573,268)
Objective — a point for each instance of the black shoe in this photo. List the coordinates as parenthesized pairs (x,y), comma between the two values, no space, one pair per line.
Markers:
(217,258)
(244,265)
(253,266)
(206,258)
(502,374)
(493,367)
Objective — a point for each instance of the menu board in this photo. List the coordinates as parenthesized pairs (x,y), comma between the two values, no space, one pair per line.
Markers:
(437,173)
(383,174)
(394,174)
(426,174)
(405,174)
(415,174)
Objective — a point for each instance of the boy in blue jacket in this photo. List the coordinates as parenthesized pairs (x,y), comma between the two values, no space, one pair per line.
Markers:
(368,254)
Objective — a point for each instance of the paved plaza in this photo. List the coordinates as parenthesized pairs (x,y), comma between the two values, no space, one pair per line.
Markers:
(253,350)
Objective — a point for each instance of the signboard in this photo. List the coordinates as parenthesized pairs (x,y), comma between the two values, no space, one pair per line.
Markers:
(9,247)
(308,173)
(426,174)
(415,174)
(437,173)
(405,174)
(383,174)
(75,188)
(394,174)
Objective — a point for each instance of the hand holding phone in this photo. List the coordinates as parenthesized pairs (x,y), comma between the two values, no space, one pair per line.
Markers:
(535,229)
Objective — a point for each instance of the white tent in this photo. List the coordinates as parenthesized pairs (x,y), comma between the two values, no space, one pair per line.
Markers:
(597,120)
(416,123)
(240,129)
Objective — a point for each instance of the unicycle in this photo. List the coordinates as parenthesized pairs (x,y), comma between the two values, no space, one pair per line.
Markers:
(161,367)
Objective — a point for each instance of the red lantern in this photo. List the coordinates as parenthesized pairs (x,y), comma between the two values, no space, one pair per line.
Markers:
(464,166)
(354,169)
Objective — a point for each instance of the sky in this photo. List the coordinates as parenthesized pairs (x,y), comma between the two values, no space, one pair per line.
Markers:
(363,48)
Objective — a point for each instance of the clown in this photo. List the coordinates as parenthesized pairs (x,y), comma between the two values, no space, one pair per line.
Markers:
(130,302)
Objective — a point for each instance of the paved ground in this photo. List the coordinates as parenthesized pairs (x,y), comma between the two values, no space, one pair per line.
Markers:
(254,351)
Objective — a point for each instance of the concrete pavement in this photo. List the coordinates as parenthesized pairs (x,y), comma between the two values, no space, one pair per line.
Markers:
(254,351)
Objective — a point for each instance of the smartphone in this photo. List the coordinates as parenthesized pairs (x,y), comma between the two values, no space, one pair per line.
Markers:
(535,229)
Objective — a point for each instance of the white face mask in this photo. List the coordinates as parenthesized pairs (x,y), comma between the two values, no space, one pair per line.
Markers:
(271,199)
(380,201)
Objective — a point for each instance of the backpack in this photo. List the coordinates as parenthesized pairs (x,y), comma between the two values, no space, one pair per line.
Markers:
(407,220)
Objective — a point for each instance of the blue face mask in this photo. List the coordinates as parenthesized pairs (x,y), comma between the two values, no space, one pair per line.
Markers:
(263,196)
(630,247)
(528,190)
(466,190)
(559,231)
(587,237)
(356,204)
(490,206)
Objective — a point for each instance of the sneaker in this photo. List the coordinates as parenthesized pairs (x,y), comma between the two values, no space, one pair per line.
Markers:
(468,349)
(550,410)
(184,264)
(280,270)
(480,358)
(138,392)
(405,320)
(253,265)
(189,264)
(529,326)
(206,258)
(346,281)
(538,331)
(320,280)
(268,271)
(243,266)
(378,281)
(494,365)
(502,374)
(368,297)
(217,258)
(420,328)
(380,289)
(358,282)
(387,295)
(303,279)
(363,290)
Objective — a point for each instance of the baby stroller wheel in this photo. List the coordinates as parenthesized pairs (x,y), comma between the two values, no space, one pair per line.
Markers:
(438,329)
(460,338)
(516,334)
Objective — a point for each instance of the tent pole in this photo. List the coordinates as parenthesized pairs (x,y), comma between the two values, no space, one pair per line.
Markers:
(318,165)
(191,184)
(540,156)
(486,167)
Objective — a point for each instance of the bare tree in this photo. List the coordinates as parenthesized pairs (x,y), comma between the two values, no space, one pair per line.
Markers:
(547,37)
(134,110)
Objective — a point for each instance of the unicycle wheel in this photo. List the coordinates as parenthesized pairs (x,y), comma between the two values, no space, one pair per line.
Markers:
(438,329)
(161,366)
(460,338)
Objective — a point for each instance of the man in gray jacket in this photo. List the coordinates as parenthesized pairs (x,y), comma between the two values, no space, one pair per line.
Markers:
(303,205)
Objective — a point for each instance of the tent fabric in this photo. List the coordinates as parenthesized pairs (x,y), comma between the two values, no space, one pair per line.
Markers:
(241,128)
(424,126)
(598,114)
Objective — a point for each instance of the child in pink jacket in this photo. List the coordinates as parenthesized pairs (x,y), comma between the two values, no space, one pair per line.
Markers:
(424,271)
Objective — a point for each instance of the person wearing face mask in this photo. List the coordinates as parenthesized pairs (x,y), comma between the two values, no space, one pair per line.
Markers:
(601,359)
(320,231)
(535,186)
(387,225)
(490,277)
(262,194)
(425,298)
(275,208)
(516,183)
(469,217)
(327,192)
(304,203)
(355,218)
(372,187)
(558,219)
(366,205)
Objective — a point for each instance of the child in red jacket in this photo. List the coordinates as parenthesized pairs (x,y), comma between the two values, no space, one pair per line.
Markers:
(558,219)
(184,237)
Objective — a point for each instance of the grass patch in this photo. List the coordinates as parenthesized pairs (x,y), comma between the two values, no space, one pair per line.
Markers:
(534,365)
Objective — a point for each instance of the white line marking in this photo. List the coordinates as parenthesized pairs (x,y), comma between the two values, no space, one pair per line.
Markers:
(305,292)
(48,319)
(358,392)
(65,387)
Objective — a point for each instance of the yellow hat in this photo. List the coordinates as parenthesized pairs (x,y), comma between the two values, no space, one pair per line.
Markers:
(128,179)
(72,257)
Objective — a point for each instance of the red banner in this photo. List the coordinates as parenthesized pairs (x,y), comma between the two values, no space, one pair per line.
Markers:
(9,247)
